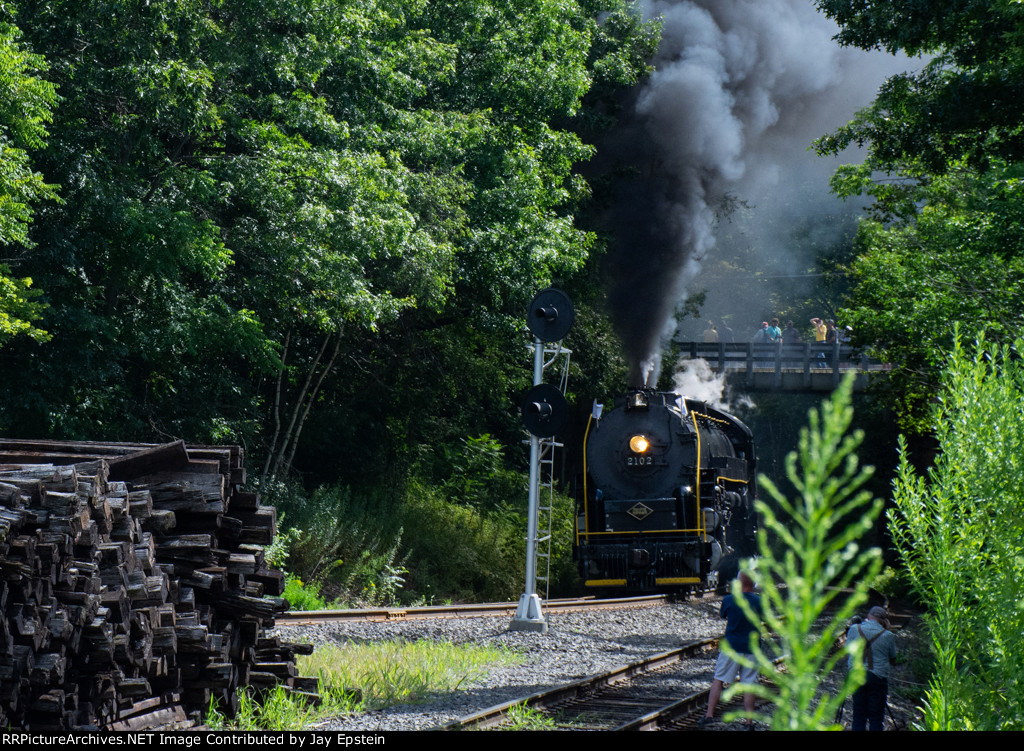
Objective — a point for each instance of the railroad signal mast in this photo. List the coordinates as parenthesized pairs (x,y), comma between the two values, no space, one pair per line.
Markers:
(549,319)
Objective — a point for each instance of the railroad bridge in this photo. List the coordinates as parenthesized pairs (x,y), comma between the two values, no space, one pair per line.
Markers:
(785,367)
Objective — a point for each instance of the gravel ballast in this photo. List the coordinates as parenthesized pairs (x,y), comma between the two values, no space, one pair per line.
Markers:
(577,645)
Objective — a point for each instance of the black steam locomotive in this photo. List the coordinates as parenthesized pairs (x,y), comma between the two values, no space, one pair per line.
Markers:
(666,498)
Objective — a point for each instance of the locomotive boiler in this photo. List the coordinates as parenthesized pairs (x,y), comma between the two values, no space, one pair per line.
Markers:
(666,501)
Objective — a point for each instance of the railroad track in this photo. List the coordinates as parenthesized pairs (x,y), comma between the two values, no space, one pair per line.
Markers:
(623,702)
(637,696)
(382,615)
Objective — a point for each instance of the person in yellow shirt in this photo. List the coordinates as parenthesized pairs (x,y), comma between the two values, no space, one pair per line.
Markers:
(820,330)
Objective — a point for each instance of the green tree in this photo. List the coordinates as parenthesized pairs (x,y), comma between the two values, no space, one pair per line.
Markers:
(958,259)
(26,103)
(492,171)
(255,192)
(963,104)
(18,308)
(944,147)
(958,528)
(310,226)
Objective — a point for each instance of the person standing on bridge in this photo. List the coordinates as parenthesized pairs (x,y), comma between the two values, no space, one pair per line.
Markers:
(738,632)
(820,330)
(790,335)
(710,333)
(831,337)
(725,334)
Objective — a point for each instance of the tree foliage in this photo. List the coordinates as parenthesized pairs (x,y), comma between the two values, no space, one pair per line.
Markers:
(311,227)
(963,104)
(273,211)
(943,168)
(958,259)
(944,250)
(26,102)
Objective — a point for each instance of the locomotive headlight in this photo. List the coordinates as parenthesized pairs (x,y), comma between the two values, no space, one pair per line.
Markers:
(638,444)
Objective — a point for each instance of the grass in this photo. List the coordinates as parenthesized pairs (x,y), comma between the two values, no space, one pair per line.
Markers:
(387,673)
(527,718)
(358,677)
(279,709)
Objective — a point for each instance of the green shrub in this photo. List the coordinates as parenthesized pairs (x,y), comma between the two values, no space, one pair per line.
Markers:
(304,596)
(472,473)
(340,543)
(455,533)
(474,554)
(460,552)
(959,529)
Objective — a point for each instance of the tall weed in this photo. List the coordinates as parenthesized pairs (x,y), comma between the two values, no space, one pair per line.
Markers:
(959,529)
(816,553)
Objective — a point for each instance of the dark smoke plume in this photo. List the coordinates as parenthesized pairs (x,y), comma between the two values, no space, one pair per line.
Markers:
(741,89)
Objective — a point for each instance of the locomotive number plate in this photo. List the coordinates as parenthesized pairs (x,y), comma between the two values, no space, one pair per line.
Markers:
(639,461)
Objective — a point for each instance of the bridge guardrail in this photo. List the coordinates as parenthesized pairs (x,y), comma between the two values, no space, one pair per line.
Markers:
(808,358)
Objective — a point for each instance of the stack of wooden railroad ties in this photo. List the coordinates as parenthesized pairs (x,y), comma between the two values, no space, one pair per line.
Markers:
(134,587)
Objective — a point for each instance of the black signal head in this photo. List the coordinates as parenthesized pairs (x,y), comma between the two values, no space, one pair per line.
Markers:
(544,410)
(550,315)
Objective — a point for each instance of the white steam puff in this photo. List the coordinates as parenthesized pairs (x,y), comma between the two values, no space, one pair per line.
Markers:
(695,379)
(741,89)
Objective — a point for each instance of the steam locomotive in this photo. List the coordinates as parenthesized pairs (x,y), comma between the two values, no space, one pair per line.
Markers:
(666,498)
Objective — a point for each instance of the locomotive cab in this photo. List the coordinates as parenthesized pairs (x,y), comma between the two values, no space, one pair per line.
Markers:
(667,494)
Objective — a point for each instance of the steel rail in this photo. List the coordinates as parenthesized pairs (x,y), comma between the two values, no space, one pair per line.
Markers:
(686,706)
(583,688)
(383,615)
(684,713)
